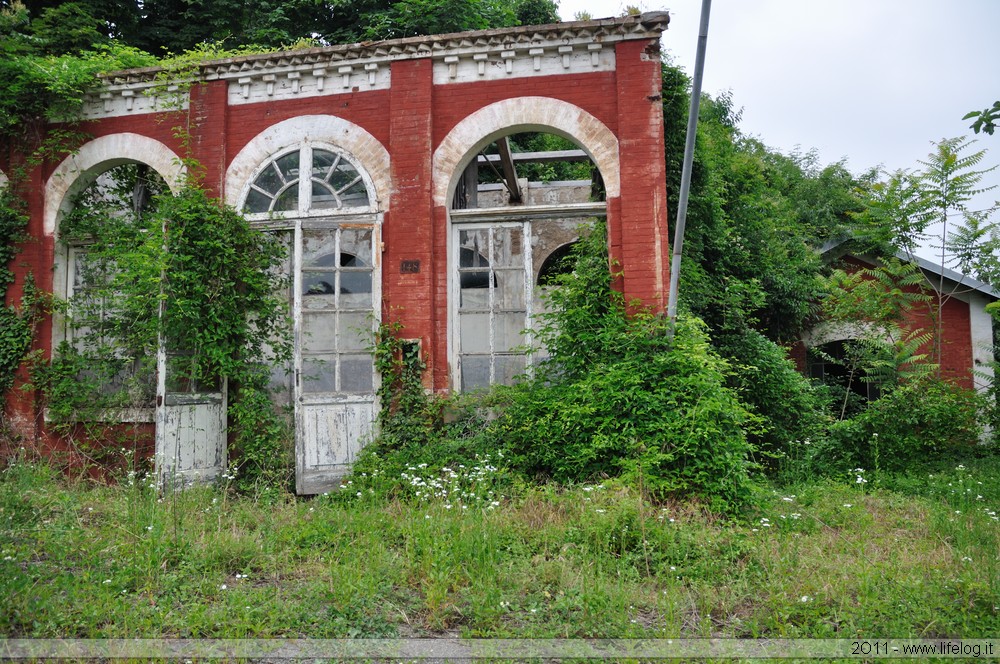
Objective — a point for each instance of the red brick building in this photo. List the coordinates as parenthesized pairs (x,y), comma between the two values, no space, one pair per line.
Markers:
(392,220)
(967,329)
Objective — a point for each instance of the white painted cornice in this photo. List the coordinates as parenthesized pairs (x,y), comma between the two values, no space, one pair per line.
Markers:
(574,47)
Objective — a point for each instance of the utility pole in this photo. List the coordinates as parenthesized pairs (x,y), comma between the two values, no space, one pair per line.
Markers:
(692,130)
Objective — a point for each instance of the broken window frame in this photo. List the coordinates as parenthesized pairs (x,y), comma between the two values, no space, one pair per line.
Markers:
(70,281)
(530,220)
(347,344)
(306,219)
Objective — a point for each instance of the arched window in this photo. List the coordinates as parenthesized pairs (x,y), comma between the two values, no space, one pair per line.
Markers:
(519,206)
(334,184)
(103,236)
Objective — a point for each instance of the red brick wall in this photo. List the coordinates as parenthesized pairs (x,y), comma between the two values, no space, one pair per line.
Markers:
(641,226)
(35,258)
(410,120)
(409,232)
(208,128)
(591,92)
(365,109)
(956,338)
(956,342)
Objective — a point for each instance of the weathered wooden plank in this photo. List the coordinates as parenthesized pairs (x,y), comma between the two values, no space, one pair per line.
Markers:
(193,448)
(332,437)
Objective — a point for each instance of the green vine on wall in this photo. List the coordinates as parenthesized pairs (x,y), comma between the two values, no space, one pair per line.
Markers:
(16,323)
(217,277)
(185,271)
(407,414)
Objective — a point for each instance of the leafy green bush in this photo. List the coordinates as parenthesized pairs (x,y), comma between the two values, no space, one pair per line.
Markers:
(767,381)
(15,325)
(421,437)
(923,420)
(654,411)
(619,397)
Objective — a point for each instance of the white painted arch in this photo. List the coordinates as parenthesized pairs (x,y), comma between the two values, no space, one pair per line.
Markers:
(522,114)
(80,169)
(368,154)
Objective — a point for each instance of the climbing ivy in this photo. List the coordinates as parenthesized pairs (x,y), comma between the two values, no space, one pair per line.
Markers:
(13,221)
(224,317)
(16,324)
(184,271)
(149,267)
(408,415)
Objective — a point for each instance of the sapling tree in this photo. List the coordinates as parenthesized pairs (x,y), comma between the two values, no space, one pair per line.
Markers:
(920,413)
(933,207)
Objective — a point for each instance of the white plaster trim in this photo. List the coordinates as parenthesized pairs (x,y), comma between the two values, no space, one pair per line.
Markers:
(309,82)
(521,114)
(826,332)
(368,154)
(149,97)
(79,170)
(329,70)
(550,59)
(981,325)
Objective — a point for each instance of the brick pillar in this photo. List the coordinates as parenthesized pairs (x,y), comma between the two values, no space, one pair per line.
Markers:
(409,270)
(35,258)
(641,226)
(207,126)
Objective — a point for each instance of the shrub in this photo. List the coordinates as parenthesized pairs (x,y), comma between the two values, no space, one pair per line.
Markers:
(767,381)
(619,396)
(920,421)
(419,435)
(654,411)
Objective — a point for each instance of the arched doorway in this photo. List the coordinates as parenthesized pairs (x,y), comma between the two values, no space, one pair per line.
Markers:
(518,178)
(320,199)
(122,173)
(521,202)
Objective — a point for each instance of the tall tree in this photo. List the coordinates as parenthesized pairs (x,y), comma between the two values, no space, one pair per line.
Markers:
(752,268)
(165,27)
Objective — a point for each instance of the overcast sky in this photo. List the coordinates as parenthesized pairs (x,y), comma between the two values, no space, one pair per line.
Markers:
(873,81)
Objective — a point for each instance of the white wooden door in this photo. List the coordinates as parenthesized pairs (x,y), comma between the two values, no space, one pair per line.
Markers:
(190,433)
(337,293)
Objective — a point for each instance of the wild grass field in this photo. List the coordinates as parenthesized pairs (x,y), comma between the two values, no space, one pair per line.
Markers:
(467,553)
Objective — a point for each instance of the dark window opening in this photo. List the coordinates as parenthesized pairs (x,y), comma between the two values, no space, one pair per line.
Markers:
(835,364)
(469,258)
(558,262)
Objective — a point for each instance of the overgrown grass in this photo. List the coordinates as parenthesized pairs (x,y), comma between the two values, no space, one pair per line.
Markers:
(821,559)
